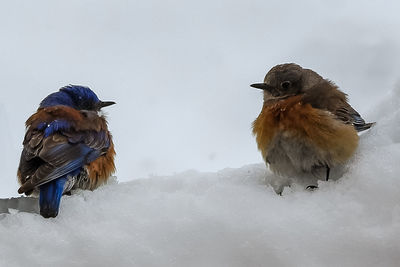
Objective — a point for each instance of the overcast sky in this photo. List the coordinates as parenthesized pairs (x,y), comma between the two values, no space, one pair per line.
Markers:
(180,70)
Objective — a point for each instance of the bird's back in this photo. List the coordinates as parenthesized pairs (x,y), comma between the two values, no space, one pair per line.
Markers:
(61,140)
(326,95)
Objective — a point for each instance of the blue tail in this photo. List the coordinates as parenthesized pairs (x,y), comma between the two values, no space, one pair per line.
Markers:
(50,197)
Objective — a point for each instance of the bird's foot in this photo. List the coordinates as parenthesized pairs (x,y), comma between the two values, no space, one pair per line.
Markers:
(311,187)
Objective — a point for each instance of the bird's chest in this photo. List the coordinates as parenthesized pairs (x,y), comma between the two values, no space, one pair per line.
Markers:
(283,136)
(292,135)
(289,155)
(275,121)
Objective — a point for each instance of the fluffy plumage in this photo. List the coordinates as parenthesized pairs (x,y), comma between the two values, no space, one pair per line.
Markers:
(67,145)
(306,122)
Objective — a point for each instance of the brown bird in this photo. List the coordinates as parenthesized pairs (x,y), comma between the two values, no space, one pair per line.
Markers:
(306,124)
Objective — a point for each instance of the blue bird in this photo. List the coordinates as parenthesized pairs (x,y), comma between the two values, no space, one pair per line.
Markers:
(67,146)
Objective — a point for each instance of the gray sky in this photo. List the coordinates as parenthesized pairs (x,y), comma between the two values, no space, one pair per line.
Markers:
(180,70)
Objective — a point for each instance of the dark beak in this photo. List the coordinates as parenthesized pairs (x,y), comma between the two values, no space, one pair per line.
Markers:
(262,86)
(105,104)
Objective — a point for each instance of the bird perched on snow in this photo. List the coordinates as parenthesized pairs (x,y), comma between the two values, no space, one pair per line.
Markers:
(67,146)
(306,124)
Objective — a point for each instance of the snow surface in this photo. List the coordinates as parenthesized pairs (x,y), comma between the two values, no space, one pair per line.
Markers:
(228,218)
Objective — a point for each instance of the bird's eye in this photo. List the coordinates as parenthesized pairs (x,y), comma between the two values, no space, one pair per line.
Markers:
(285,85)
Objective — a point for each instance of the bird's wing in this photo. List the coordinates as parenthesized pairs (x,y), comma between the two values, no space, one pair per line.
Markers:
(326,95)
(349,115)
(58,154)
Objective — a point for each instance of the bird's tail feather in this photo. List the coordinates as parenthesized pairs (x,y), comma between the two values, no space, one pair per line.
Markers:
(50,197)
(364,126)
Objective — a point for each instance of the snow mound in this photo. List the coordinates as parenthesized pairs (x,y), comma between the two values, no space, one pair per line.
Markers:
(229,218)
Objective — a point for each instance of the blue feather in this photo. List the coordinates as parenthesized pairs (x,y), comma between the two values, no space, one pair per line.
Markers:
(42,126)
(55,126)
(82,92)
(65,159)
(74,96)
(56,99)
(51,193)
(50,197)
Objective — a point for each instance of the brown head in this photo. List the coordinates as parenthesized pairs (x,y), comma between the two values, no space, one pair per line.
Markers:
(287,80)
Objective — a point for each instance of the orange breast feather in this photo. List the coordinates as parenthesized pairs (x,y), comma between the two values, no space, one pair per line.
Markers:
(297,120)
(102,168)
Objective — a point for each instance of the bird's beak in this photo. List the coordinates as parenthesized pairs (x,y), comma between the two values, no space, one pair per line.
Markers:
(105,104)
(262,86)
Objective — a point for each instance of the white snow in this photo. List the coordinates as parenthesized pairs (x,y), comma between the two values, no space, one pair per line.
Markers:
(228,218)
